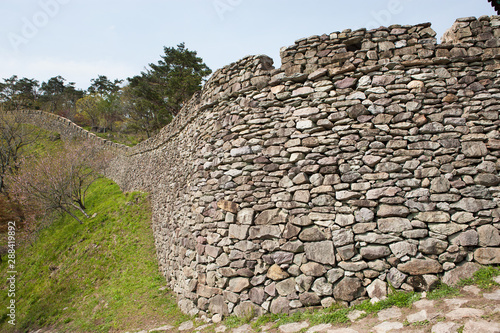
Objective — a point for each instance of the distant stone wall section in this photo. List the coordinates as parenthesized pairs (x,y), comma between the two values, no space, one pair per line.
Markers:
(369,158)
(65,127)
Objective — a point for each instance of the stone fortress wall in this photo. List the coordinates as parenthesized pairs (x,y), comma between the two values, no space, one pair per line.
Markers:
(369,159)
(65,127)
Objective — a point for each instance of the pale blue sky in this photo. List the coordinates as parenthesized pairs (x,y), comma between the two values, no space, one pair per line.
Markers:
(81,39)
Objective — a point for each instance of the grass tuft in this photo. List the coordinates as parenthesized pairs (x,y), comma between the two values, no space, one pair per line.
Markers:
(443,290)
(399,299)
(483,278)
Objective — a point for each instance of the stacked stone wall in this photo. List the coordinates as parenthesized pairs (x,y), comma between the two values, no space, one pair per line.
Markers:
(65,127)
(369,159)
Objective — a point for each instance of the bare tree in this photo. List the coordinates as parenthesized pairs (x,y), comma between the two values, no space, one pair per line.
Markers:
(14,138)
(59,181)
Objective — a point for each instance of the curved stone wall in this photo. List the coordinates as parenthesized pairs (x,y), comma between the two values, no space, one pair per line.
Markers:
(65,127)
(369,158)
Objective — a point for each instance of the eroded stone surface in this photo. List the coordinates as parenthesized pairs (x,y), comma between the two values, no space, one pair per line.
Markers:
(445,327)
(388,326)
(293,327)
(464,271)
(391,313)
(473,326)
(462,313)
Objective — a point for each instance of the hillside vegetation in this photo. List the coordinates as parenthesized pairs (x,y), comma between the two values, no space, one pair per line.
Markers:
(99,276)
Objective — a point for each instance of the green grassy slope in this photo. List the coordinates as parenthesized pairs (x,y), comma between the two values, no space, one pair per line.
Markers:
(101,276)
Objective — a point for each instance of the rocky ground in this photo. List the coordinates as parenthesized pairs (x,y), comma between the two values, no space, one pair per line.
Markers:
(473,312)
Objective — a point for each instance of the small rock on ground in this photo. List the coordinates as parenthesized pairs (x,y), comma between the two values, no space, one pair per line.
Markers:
(187,325)
(293,327)
(482,326)
(494,296)
(472,290)
(462,313)
(163,328)
(391,313)
(201,328)
(423,303)
(387,326)
(455,302)
(419,316)
(445,327)
(243,329)
(220,329)
(319,328)
(342,330)
(354,315)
